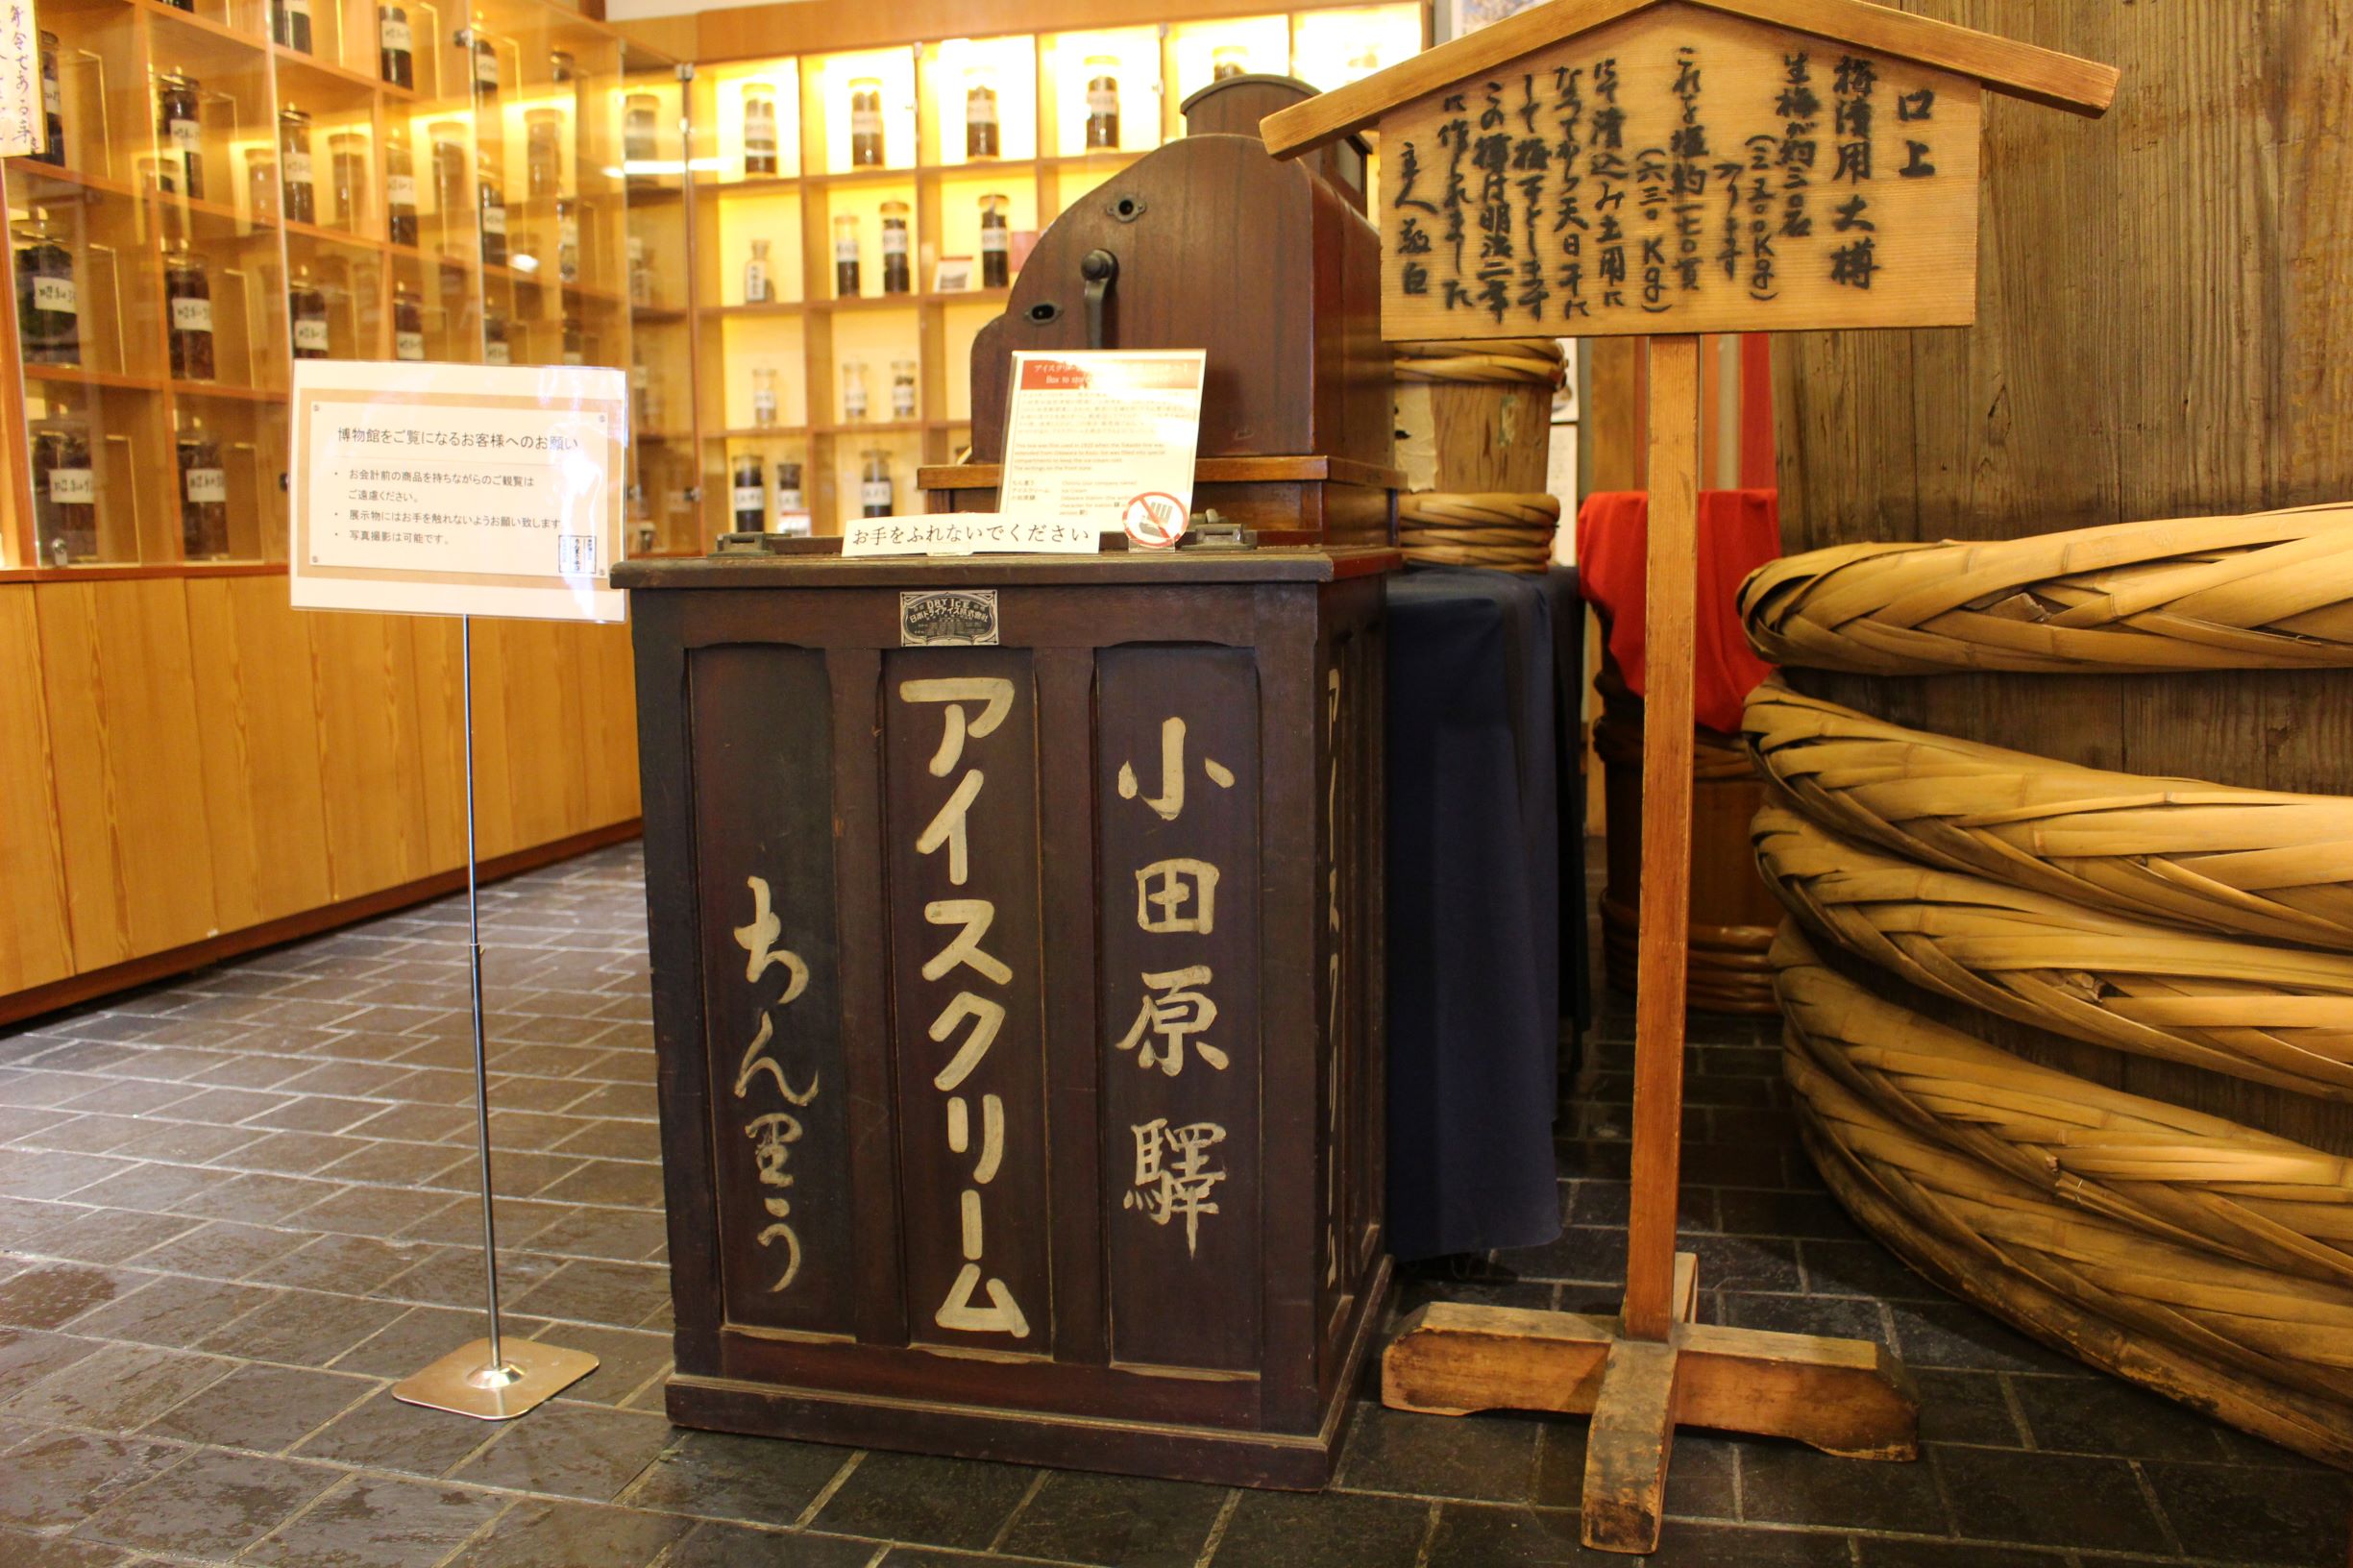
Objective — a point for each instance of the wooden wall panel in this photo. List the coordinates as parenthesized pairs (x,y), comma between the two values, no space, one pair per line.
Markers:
(433,646)
(363,679)
(36,932)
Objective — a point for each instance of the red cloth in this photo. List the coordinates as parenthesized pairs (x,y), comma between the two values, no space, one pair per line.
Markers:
(1739,531)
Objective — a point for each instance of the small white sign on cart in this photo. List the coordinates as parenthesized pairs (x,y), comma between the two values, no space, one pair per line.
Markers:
(1106,437)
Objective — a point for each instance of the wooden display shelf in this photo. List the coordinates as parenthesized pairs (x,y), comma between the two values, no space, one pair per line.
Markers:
(137,571)
(77,376)
(341,76)
(865,302)
(225,392)
(762,432)
(171,201)
(757,184)
(32,169)
(259,42)
(875,426)
(322,234)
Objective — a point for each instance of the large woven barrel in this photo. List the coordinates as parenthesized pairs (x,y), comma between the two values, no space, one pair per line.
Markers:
(1733,914)
(1476,425)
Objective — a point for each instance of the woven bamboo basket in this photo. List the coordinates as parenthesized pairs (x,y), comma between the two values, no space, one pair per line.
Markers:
(2270,591)
(2281,1016)
(2209,857)
(1513,532)
(2065,1208)
(1475,426)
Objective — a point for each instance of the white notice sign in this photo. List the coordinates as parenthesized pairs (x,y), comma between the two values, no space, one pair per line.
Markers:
(458,489)
(1106,437)
(23,129)
(970,533)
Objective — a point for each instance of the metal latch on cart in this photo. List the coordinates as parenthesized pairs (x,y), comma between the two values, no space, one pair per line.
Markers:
(1207,531)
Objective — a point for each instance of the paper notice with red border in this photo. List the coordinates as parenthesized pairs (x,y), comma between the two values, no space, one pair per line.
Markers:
(1106,437)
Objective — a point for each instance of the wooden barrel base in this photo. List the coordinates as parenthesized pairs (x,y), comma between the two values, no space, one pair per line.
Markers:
(1728,969)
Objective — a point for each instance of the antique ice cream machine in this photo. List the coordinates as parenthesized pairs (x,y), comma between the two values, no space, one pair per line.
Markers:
(1016,920)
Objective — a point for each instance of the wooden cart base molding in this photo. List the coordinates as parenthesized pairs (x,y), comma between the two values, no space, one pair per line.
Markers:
(2281,1016)
(2185,1253)
(2249,862)
(2270,591)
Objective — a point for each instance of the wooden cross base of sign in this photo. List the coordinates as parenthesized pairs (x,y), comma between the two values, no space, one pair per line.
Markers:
(1653,1367)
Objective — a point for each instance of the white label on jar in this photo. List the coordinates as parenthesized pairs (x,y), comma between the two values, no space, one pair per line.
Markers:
(56,294)
(980,109)
(298,7)
(759,118)
(791,528)
(71,487)
(496,353)
(1102,102)
(865,122)
(298,168)
(207,484)
(755,283)
(408,344)
(187,135)
(902,403)
(894,239)
(310,332)
(494,220)
(845,253)
(395,34)
(874,493)
(764,407)
(788,500)
(486,69)
(992,240)
(853,403)
(750,498)
(51,99)
(194,315)
(401,190)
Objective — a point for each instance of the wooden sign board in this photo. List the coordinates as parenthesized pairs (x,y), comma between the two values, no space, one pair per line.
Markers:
(1681,170)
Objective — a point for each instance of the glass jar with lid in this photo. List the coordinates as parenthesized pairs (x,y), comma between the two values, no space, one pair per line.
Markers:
(299,197)
(1229,60)
(290,24)
(995,240)
(306,311)
(750,498)
(261,181)
(902,389)
(65,492)
(643,283)
(853,392)
(496,349)
(764,396)
(866,150)
(568,238)
(53,104)
(486,72)
(494,218)
(845,256)
(874,484)
(898,275)
(641,123)
(790,500)
(576,342)
(400,188)
(346,178)
(48,304)
(187,292)
(1102,102)
(204,494)
(395,57)
(453,189)
(758,285)
(980,122)
(543,154)
(760,145)
(179,170)
(408,326)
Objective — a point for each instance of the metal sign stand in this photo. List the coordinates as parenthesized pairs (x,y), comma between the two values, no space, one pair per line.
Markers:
(491,1379)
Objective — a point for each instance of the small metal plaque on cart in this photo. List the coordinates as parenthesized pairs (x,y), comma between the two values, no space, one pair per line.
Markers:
(948,618)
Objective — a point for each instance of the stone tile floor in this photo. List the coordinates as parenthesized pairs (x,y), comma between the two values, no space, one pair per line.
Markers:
(234,1207)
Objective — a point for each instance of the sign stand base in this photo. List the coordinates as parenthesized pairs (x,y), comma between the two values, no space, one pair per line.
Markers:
(489,1379)
(1643,1373)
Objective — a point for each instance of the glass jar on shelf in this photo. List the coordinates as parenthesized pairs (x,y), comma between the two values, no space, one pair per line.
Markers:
(641,123)
(53,104)
(399,189)
(48,306)
(853,392)
(453,189)
(188,290)
(299,197)
(261,181)
(865,149)
(642,288)
(204,494)
(408,326)
(898,275)
(180,171)
(874,484)
(290,24)
(307,309)
(568,238)
(980,122)
(576,342)
(346,178)
(1102,102)
(764,397)
(758,285)
(494,219)
(486,72)
(1229,60)
(902,389)
(995,240)
(543,154)
(845,256)
(790,500)
(65,492)
(561,66)
(395,46)
(496,348)
(760,145)
(750,499)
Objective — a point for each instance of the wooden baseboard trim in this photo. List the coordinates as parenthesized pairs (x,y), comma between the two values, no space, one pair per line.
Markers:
(18,1006)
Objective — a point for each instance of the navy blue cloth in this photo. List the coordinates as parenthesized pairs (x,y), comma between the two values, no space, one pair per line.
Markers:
(1485,826)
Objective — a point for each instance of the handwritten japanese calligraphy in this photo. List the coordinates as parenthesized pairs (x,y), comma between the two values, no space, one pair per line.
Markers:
(772,1133)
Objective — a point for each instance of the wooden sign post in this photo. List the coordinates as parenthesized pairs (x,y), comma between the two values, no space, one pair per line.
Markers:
(1672,167)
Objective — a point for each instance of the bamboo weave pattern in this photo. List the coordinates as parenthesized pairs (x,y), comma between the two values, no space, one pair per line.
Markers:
(2279,1016)
(1535,359)
(2089,1247)
(2272,590)
(1486,529)
(2205,856)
